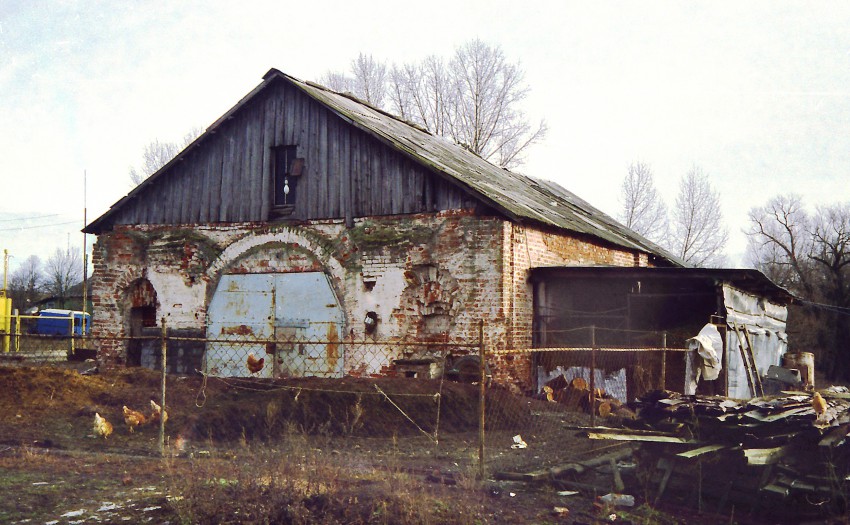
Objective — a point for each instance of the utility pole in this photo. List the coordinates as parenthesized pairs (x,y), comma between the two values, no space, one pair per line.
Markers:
(5,305)
(85,253)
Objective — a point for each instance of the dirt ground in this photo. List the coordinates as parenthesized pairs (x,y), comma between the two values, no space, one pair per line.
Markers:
(53,469)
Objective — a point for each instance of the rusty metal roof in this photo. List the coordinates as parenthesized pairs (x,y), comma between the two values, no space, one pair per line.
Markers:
(519,197)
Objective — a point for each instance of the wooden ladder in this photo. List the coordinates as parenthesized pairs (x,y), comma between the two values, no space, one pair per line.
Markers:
(749,359)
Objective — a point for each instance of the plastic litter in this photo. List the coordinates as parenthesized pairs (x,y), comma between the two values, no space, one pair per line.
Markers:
(518,442)
(618,500)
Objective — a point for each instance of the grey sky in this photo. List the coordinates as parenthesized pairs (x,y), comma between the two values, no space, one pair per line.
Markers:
(757,94)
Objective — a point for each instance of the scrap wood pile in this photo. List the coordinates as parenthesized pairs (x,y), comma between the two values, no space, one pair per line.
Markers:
(787,453)
(576,395)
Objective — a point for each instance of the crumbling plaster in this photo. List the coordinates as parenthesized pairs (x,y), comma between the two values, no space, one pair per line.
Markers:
(427,277)
(437,288)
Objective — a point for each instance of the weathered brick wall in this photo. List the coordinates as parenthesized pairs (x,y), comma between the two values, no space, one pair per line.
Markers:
(429,277)
(530,247)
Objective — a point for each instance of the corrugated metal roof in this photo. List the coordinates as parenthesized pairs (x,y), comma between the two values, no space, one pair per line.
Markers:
(519,197)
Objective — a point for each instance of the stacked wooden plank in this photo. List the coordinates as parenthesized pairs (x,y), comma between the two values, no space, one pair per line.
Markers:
(773,454)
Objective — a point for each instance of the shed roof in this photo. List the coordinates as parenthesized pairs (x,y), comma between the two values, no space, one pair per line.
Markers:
(746,279)
(518,197)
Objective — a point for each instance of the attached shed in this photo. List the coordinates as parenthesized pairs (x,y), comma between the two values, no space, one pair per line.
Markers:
(406,235)
(661,307)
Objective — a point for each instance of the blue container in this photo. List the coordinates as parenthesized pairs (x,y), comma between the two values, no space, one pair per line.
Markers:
(58,322)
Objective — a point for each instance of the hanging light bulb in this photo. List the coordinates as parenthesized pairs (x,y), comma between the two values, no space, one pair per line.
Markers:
(285,189)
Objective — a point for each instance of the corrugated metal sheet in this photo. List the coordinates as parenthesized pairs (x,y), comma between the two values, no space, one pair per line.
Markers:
(519,197)
(764,321)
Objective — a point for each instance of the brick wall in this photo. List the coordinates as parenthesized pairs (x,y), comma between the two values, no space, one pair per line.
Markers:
(530,247)
(427,277)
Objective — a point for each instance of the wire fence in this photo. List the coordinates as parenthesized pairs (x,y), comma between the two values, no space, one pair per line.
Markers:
(347,388)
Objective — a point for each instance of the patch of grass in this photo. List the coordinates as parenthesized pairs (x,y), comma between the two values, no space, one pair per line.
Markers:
(304,485)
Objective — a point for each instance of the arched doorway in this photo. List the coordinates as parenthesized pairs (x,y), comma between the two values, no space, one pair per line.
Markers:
(141,318)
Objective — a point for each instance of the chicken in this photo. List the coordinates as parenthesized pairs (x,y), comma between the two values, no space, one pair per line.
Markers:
(254,364)
(156,412)
(102,427)
(550,393)
(133,418)
(819,404)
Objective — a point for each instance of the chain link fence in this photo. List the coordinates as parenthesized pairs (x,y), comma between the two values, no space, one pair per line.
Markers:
(584,379)
(345,388)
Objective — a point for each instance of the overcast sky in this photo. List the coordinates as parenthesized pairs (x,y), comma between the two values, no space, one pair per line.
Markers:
(757,94)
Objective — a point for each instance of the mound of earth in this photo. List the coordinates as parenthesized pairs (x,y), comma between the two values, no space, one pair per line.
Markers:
(55,407)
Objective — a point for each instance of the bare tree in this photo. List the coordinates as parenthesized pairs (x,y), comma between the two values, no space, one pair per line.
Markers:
(370,79)
(158,153)
(697,232)
(63,270)
(779,243)
(809,255)
(26,282)
(642,208)
(474,99)
(422,93)
(486,116)
(337,81)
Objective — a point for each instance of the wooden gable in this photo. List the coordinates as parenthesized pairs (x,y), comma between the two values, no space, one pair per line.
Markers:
(228,174)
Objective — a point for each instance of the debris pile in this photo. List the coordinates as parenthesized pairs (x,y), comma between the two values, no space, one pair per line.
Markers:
(786,454)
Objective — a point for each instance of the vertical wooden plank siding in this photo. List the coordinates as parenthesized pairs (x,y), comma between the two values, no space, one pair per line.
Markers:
(184,191)
(215,178)
(356,178)
(226,169)
(196,166)
(257,174)
(346,174)
(307,207)
(238,159)
(246,184)
(323,208)
(266,167)
(228,176)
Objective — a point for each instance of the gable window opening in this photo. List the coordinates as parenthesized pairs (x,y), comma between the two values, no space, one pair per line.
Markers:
(288,169)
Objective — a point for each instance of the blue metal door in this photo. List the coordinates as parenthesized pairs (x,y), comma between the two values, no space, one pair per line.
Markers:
(308,314)
(298,311)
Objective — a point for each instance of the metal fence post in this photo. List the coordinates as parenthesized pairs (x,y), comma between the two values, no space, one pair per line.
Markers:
(482,380)
(164,348)
(71,332)
(664,360)
(592,375)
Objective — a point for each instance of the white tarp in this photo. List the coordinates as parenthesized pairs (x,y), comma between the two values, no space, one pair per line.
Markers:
(703,361)
(708,345)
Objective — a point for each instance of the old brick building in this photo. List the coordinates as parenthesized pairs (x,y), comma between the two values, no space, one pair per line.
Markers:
(311,200)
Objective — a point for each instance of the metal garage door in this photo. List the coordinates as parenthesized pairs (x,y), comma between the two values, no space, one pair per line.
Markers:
(298,310)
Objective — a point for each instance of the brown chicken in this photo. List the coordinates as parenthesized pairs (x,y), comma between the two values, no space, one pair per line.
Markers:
(550,393)
(102,427)
(819,404)
(133,418)
(254,364)
(156,412)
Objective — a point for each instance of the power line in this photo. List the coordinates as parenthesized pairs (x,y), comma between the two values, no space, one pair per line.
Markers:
(39,226)
(830,307)
(32,218)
